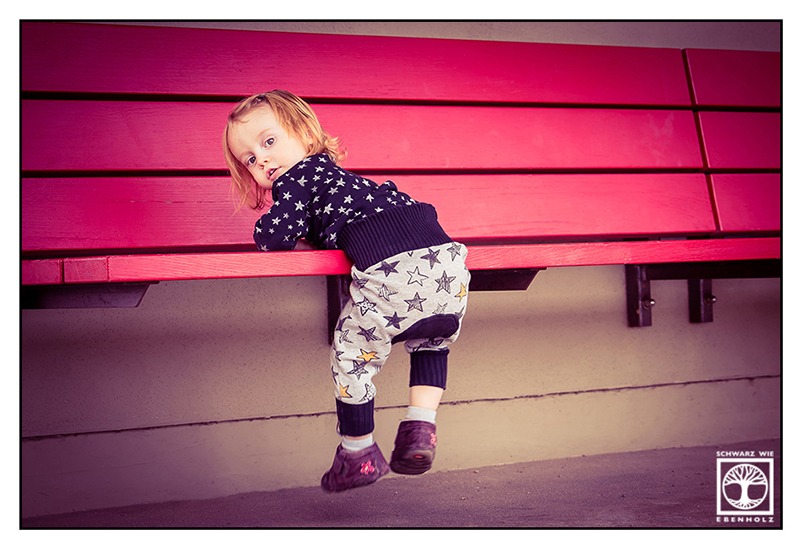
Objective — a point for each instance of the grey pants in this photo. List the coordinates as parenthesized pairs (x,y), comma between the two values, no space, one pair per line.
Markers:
(417,297)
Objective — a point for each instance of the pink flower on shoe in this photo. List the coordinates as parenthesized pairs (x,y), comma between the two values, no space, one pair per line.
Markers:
(367,468)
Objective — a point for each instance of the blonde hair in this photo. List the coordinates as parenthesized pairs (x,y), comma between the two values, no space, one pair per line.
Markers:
(296,117)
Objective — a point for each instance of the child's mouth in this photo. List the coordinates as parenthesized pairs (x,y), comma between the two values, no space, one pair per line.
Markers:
(271,172)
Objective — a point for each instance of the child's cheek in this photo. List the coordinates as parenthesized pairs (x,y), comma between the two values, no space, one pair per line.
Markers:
(258,176)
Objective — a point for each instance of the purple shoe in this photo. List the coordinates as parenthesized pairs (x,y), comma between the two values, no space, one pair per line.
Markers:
(354,469)
(415,447)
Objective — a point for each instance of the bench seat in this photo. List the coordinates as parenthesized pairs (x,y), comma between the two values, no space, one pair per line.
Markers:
(535,155)
(126,268)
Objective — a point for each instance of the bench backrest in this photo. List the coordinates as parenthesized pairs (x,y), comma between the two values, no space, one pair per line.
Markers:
(513,142)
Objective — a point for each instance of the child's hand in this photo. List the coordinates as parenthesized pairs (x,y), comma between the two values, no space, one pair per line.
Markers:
(302,244)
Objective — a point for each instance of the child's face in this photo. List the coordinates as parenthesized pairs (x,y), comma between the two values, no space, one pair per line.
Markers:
(264,147)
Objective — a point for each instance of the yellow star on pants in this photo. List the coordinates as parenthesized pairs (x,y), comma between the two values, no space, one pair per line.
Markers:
(463,292)
(367,356)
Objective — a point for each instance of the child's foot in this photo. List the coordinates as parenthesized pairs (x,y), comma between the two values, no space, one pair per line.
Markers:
(415,447)
(352,469)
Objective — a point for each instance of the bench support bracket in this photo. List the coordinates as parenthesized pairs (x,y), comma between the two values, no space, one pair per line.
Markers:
(83,295)
(699,277)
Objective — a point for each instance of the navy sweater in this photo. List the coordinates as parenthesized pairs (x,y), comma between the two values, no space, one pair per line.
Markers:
(333,208)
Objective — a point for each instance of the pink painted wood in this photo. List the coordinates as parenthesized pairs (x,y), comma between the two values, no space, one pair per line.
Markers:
(42,272)
(748,202)
(184,213)
(178,136)
(472,119)
(85,270)
(742,140)
(532,207)
(165,267)
(131,213)
(735,78)
(76,57)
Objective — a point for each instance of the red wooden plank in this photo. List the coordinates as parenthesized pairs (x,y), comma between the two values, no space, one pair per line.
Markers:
(739,140)
(85,270)
(735,78)
(513,138)
(165,267)
(131,213)
(272,264)
(41,272)
(114,58)
(123,135)
(615,253)
(555,206)
(748,202)
(175,213)
(160,136)
(168,267)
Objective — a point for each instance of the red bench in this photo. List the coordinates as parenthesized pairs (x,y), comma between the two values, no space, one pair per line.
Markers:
(536,155)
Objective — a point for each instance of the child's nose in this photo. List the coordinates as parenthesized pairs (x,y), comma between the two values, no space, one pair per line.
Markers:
(262,159)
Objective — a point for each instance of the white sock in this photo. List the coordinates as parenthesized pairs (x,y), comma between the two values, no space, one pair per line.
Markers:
(420,413)
(357,444)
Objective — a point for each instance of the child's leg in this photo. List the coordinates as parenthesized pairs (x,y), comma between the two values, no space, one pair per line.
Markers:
(355,361)
(357,443)
(427,379)
(416,439)
(424,401)
(414,447)
(428,369)
(358,353)
(361,345)
(426,397)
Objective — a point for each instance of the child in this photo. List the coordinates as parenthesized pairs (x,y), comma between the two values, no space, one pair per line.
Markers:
(409,279)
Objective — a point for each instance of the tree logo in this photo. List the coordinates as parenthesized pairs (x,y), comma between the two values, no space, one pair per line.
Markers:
(745,487)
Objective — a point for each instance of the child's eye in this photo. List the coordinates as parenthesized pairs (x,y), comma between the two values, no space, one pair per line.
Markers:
(250,161)
(270,141)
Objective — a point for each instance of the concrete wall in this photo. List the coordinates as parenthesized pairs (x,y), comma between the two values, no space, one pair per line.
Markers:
(212,388)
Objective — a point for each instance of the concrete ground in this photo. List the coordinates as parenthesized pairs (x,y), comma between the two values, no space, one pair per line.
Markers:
(648,489)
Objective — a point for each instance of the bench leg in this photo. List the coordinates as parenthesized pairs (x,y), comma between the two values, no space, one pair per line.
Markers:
(699,277)
(337,295)
(639,301)
(701,301)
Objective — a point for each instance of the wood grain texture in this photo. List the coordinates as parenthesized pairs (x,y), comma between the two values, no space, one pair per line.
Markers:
(168,267)
(742,140)
(41,272)
(748,202)
(735,78)
(159,60)
(521,147)
(86,269)
(122,135)
(137,214)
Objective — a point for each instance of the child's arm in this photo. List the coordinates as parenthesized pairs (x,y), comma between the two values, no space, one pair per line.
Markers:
(286,221)
(304,244)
